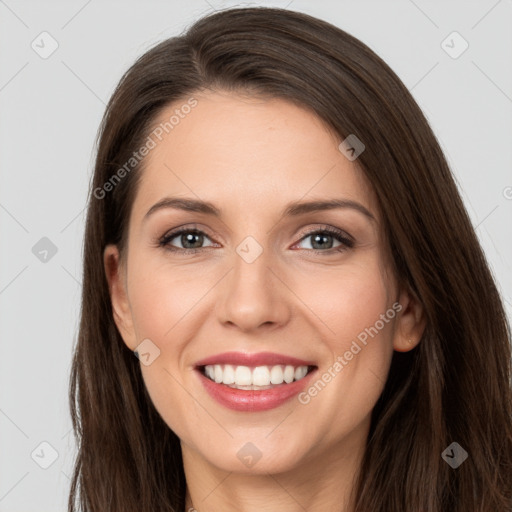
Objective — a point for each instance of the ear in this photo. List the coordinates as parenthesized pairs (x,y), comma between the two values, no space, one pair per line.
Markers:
(411,322)
(116,278)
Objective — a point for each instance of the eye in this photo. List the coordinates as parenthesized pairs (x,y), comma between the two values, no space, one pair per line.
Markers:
(191,240)
(323,239)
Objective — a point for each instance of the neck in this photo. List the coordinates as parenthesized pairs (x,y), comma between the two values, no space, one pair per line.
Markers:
(323,481)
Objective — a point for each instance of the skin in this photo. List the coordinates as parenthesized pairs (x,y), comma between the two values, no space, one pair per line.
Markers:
(251,157)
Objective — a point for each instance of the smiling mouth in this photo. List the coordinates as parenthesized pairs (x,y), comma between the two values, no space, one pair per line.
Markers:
(254,378)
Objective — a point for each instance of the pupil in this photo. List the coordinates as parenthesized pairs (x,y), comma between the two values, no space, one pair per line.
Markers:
(321,238)
(189,238)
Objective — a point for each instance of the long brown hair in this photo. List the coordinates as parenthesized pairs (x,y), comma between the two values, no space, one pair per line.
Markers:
(455,386)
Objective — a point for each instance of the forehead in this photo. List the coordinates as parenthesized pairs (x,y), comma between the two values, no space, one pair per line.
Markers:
(247,152)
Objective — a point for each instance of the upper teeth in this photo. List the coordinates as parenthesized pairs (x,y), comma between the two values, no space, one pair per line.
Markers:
(258,376)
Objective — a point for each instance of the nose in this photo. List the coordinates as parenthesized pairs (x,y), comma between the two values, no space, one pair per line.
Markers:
(252,297)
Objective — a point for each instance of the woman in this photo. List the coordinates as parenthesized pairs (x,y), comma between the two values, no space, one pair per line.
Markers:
(274,232)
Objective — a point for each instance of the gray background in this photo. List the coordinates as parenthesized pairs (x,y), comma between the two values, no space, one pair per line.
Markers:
(50,111)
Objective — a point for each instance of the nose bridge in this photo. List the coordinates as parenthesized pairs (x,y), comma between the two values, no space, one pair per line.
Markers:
(252,295)
(251,266)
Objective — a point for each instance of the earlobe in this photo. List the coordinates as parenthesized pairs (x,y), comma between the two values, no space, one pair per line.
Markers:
(410,324)
(121,311)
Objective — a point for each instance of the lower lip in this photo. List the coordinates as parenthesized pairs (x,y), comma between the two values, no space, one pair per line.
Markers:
(252,400)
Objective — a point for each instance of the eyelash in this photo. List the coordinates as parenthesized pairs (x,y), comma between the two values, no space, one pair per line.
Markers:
(340,236)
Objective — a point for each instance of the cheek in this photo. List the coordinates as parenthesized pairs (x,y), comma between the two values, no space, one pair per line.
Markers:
(357,321)
(162,297)
(165,302)
(347,301)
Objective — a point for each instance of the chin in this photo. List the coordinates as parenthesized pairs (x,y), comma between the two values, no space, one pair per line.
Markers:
(253,457)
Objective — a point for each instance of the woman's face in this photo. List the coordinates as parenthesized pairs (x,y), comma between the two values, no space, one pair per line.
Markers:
(260,275)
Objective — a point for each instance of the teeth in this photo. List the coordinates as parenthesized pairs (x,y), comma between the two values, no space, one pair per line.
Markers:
(289,373)
(228,375)
(260,376)
(300,372)
(276,375)
(254,378)
(210,372)
(243,375)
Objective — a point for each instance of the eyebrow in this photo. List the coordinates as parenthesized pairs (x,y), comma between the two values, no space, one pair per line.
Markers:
(292,209)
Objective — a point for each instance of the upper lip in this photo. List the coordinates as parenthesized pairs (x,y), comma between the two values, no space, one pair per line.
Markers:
(256,359)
